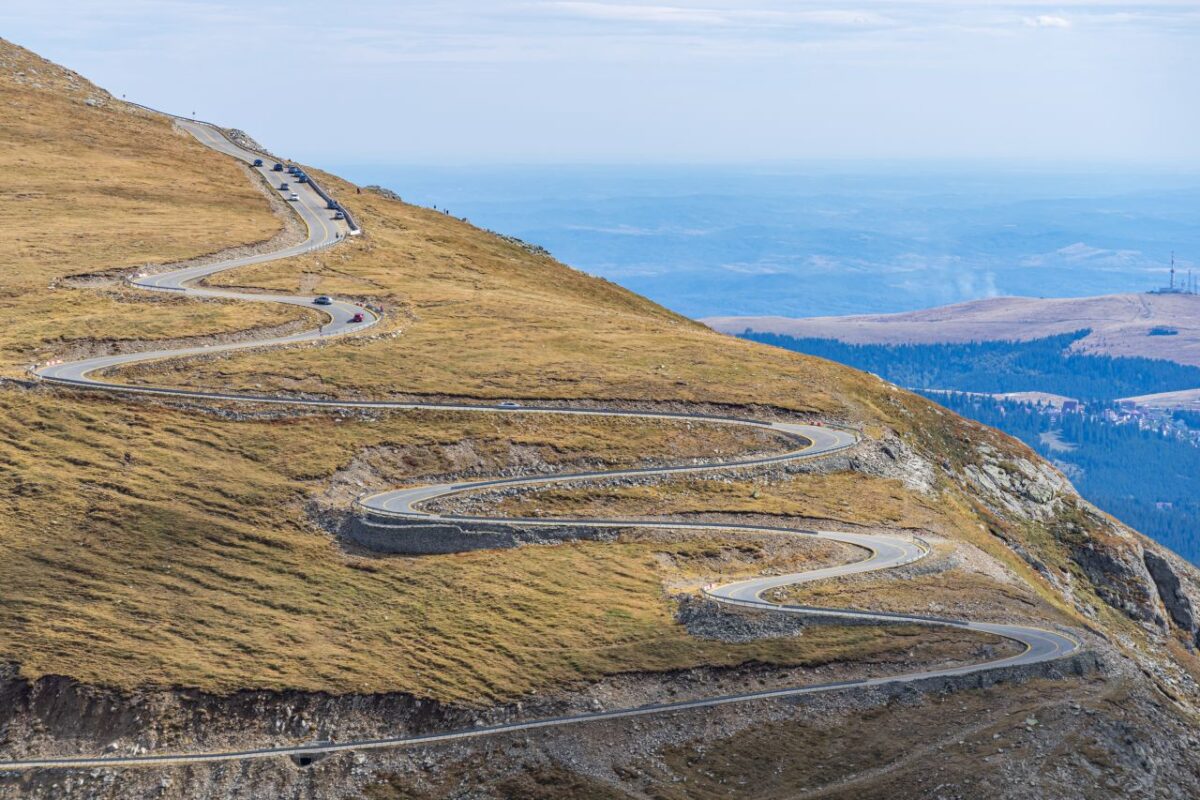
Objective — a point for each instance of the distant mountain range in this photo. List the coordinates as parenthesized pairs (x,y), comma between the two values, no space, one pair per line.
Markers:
(1165,326)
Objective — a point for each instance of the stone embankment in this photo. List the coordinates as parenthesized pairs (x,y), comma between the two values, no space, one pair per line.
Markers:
(416,537)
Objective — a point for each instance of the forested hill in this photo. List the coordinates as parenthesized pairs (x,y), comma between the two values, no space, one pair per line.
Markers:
(1147,477)
(1037,365)
(1143,468)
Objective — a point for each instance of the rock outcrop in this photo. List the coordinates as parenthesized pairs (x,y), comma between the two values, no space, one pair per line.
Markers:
(706,619)
(1170,590)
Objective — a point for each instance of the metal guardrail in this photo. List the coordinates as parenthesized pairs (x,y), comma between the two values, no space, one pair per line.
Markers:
(355,228)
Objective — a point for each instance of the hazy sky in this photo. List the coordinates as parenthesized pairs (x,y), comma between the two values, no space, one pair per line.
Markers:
(410,81)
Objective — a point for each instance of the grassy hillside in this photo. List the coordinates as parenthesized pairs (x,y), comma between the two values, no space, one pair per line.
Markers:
(474,314)
(91,184)
(148,544)
(145,545)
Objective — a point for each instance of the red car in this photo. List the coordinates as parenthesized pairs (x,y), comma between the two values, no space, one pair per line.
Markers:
(357,317)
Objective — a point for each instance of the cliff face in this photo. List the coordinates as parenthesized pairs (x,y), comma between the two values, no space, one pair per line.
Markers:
(176,576)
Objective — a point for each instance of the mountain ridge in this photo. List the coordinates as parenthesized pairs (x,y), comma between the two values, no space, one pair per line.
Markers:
(139,609)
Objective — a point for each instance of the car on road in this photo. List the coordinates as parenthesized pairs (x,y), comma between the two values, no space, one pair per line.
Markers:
(258,162)
(510,404)
(323,300)
(302,177)
(277,168)
(283,187)
(293,196)
(357,317)
(339,215)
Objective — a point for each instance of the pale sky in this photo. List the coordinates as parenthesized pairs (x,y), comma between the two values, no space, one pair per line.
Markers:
(532,81)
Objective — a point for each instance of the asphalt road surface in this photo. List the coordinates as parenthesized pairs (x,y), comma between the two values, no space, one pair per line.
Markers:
(811,441)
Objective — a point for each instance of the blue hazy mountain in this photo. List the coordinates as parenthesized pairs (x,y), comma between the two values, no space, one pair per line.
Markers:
(797,241)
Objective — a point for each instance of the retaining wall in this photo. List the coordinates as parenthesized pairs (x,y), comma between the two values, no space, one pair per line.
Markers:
(400,537)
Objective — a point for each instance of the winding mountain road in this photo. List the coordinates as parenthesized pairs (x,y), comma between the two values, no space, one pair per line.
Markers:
(396,507)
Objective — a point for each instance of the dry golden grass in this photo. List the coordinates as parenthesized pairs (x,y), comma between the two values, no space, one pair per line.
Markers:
(840,496)
(481,316)
(952,592)
(145,545)
(95,188)
(689,560)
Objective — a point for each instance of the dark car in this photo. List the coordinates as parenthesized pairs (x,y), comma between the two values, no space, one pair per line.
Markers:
(339,215)
(323,300)
(283,187)
(300,176)
(258,162)
(357,317)
(277,168)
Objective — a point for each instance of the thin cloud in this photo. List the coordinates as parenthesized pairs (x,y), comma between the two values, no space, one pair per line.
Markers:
(630,13)
(1047,21)
(716,17)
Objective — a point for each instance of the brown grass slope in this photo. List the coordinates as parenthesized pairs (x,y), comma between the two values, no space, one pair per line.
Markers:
(475,314)
(147,544)
(91,184)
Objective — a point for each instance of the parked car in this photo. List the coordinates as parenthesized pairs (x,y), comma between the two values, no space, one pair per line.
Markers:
(323,300)
(302,178)
(293,169)
(258,162)
(277,168)
(293,196)
(357,317)
(338,215)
